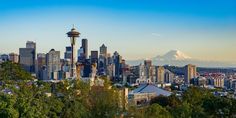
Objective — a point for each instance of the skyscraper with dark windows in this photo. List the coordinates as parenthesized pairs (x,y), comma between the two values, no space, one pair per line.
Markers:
(117,63)
(67,54)
(102,62)
(94,56)
(103,50)
(87,68)
(41,65)
(81,55)
(43,73)
(27,56)
(85,47)
(31,44)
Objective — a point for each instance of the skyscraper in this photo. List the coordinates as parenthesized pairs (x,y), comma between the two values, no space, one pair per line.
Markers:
(81,56)
(125,70)
(168,76)
(160,74)
(102,64)
(27,59)
(67,54)
(147,65)
(41,66)
(117,64)
(41,60)
(109,67)
(53,64)
(27,56)
(189,73)
(85,47)
(152,74)
(94,56)
(31,44)
(87,68)
(103,50)
(43,75)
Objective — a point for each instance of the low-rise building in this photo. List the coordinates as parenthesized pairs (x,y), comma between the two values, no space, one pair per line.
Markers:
(144,93)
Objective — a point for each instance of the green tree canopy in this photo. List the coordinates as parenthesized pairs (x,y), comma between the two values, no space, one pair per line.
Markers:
(13,71)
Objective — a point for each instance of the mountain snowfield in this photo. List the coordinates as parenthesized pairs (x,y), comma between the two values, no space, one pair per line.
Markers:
(178,58)
(172,55)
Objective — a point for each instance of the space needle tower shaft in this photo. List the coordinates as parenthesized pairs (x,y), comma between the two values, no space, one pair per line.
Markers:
(73,35)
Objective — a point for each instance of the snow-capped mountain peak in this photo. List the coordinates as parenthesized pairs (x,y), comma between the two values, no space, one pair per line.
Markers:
(173,55)
(178,58)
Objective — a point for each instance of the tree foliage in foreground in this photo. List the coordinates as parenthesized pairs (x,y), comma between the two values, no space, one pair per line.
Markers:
(198,102)
(13,71)
(20,98)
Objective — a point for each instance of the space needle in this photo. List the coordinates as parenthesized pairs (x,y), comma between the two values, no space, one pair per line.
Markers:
(73,34)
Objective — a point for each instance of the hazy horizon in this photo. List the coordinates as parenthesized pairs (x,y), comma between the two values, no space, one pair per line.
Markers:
(204,30)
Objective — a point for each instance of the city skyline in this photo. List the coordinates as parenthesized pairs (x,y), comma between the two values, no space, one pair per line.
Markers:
(146,29)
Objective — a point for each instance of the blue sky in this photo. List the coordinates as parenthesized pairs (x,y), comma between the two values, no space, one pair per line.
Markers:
(203,29)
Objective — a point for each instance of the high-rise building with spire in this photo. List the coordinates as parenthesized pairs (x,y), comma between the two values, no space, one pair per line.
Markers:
(103,50)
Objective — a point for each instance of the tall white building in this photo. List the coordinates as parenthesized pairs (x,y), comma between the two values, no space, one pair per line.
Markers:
(160,74)
(190,72)
(53,64)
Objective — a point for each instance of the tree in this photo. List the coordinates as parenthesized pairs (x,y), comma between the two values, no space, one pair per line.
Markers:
(75,96)
(134,112)
(104,102)
(156,111)
(13,71)
(194,97)
(31,100)
(183,111)
(219,107)
(55,106)
(7,109)
(174,101)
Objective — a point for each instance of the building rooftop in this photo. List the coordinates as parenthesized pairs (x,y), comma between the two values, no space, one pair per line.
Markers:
(150,88)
